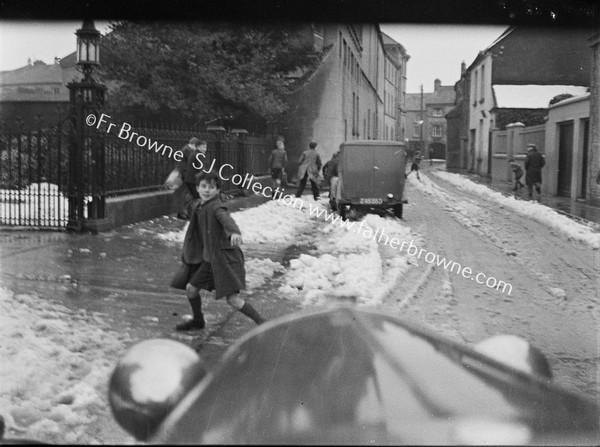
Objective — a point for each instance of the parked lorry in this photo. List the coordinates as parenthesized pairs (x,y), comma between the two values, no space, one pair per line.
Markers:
(371,177)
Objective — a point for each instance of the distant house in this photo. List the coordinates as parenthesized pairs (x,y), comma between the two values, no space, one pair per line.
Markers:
(428,110)
(514,79)
(37,91)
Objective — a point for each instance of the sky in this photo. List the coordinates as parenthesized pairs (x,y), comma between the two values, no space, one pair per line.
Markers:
(38,40)
(436,51)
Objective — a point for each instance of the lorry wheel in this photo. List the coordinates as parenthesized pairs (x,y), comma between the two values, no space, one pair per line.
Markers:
(342,211)
(398,209)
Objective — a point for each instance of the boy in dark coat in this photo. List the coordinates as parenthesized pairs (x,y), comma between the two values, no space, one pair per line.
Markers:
(212,258)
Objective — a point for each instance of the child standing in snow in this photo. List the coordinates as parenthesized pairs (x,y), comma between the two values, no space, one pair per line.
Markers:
(416,161)
(518,172)
(212,258)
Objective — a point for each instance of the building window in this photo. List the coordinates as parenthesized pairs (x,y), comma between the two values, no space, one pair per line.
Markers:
(56,90)
(437,130)
(482,81)
(417,131)
(438,112)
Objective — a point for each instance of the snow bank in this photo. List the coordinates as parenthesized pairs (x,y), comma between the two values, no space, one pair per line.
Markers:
(270,222)
(349,263)
(54,369)
(540,213)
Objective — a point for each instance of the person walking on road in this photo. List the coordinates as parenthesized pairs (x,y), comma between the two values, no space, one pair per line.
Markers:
(310,165)
(212,258)
(330,172)
(534,163)
(278,163)
(416,161)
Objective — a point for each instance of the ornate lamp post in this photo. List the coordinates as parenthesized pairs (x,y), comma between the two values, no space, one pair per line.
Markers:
(86,150)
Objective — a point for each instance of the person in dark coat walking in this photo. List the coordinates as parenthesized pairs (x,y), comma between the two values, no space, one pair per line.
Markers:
(330,172)
(278,161)
(534,163)
(310,165)
(189,151)
(212,258)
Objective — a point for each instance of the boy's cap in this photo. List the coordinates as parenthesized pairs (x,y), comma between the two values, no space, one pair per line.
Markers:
(204,142)
(511,160)
(531,146)
(194,140)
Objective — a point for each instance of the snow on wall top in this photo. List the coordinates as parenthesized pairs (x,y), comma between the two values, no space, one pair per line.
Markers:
(531,96)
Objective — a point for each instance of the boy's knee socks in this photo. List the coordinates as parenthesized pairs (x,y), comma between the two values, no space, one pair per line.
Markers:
(251,312)
(196,304)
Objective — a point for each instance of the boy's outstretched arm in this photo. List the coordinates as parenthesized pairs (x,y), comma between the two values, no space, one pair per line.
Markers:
(229,226)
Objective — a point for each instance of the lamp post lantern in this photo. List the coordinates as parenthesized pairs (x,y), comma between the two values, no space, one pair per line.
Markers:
(86,148)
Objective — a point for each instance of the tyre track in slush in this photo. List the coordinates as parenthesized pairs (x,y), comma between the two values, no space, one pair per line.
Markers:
(541,264)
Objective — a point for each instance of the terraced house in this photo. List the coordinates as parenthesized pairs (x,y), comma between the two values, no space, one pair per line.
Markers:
(356,92)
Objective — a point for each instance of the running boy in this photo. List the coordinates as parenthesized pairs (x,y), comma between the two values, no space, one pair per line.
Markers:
(518,172)
(416,161)
(212,259)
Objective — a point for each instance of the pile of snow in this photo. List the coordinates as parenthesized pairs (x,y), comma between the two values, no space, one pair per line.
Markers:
(42,203)
(258,271)
(540,213)
(349,262)
(54,369)
(271,222)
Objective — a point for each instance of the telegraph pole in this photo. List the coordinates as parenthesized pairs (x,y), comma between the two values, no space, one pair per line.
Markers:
(422,123)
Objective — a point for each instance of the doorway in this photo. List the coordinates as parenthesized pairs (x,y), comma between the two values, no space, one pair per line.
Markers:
(585,149)
(565,158)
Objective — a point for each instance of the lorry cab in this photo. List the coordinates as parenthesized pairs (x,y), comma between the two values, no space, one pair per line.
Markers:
(371,177)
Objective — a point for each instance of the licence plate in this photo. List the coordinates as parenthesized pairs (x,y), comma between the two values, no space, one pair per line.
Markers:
(371,201)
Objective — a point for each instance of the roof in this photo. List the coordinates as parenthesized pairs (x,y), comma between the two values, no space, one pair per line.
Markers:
(445,94)
(531,96)
(39,73)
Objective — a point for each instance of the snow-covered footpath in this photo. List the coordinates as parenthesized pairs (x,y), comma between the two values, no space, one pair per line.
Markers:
(534,210)
(54,369)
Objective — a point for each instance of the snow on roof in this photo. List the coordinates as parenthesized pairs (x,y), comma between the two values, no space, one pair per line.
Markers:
(531,96)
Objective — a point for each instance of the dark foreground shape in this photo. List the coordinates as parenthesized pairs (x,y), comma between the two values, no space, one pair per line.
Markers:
(348,376)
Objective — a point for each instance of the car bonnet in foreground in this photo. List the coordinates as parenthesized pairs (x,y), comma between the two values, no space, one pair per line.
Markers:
(355,377)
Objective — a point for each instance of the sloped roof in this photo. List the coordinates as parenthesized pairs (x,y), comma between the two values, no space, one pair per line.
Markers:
(444,95)
(531,96)
(39,73)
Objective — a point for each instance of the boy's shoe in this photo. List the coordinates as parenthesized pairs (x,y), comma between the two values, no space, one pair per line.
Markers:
(538,189)
(190,325)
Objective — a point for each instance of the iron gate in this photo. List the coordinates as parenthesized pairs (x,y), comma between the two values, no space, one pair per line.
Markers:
(34,177)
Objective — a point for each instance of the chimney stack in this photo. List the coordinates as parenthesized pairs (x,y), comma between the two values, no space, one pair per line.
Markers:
(436,85)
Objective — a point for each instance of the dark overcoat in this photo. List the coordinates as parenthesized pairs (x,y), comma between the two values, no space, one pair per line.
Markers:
(208,240)
(534,163)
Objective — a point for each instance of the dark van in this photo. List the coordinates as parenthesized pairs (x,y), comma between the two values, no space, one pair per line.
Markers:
(371,177)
